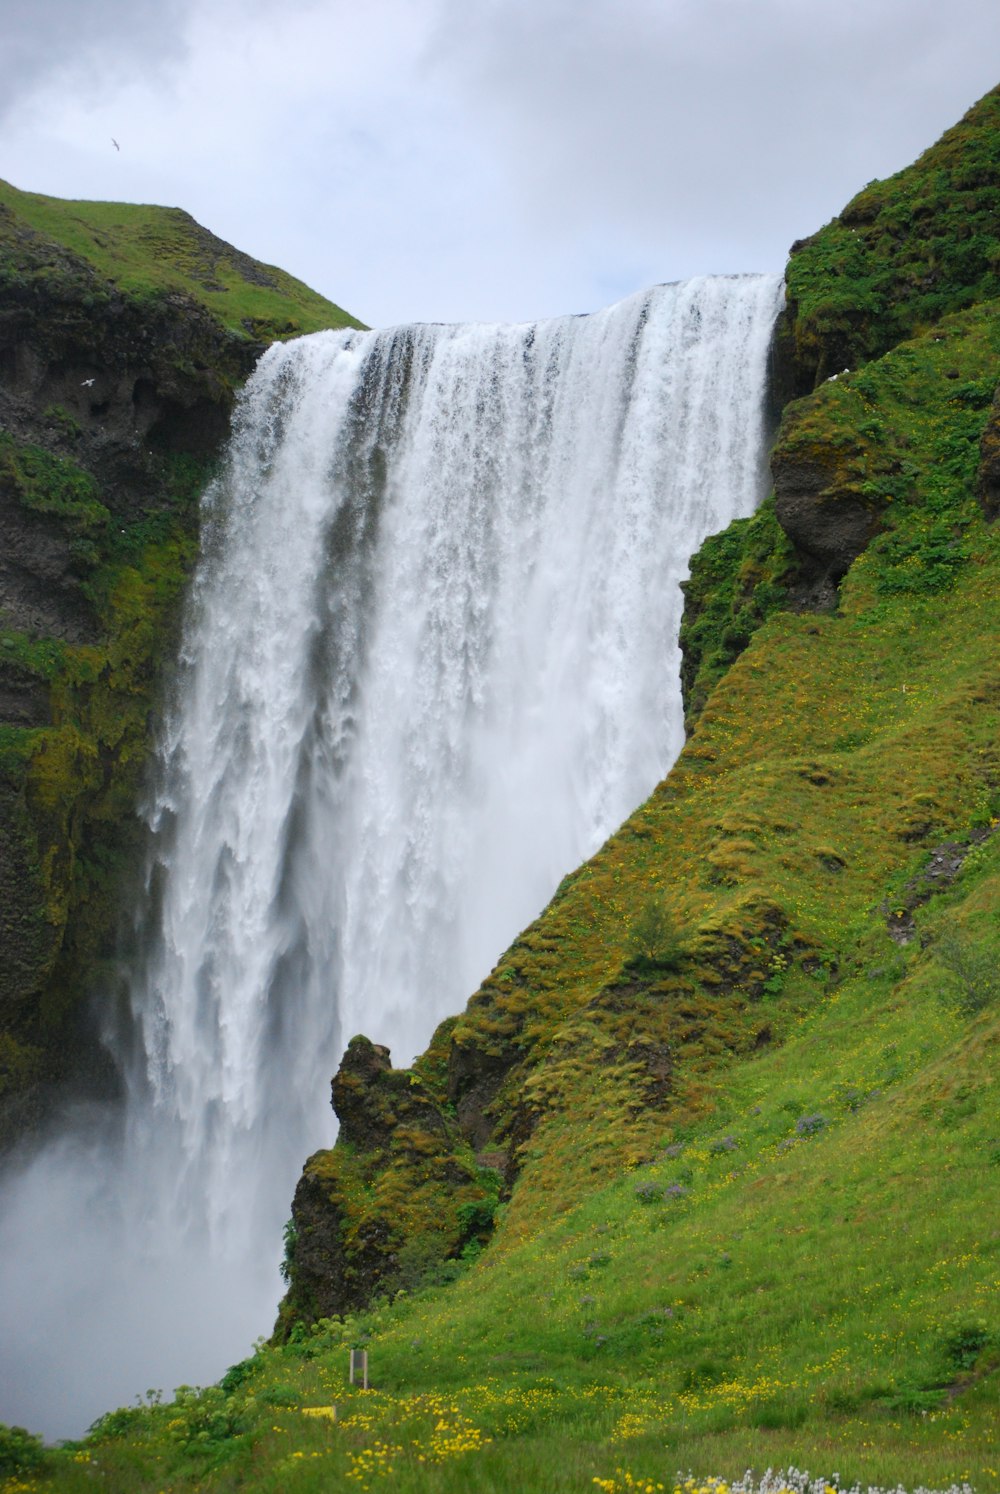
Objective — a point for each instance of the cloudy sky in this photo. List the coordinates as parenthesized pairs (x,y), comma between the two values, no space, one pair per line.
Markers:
(487,159)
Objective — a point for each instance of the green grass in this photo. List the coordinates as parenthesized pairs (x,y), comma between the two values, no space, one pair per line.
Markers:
(820,1295)
(902,254)
(150,251)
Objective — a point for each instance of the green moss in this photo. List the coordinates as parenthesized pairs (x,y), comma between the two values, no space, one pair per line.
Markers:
(902,254)
(48,484)
(738,578)
(70,787)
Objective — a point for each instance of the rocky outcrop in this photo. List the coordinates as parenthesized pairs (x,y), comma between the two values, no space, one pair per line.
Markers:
(395,1200)
(828,520)
(903,253)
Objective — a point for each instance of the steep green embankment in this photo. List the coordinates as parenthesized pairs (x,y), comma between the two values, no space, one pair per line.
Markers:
(724,1118)
(124,333)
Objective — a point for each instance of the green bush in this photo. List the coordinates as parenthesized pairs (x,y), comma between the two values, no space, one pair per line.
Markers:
(963,1344)
(653,943)
(20,1451)
(975,979)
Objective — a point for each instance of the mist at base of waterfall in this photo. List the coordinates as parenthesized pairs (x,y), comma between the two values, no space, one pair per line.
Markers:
(95,1310)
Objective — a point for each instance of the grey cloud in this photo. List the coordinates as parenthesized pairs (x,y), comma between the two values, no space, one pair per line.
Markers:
(720,113)
(489,158)
(86,41)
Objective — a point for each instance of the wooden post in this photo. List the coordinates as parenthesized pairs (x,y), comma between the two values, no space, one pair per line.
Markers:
(359,1362)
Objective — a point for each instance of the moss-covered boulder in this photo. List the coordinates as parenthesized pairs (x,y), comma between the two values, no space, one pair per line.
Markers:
(397,1198)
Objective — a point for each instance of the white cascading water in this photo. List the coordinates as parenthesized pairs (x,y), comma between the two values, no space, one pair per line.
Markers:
(430,662)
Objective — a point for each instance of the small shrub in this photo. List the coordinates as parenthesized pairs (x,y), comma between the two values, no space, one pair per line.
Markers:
(290,1236)
(649,1193)
(239,1374)
(20,1451)
(974,972)
(963,1343)
(205,1418)
(653,943)
(119,1423)
(809,1125)
(477,1215)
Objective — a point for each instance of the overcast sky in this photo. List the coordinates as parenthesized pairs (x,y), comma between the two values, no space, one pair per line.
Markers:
(427,160)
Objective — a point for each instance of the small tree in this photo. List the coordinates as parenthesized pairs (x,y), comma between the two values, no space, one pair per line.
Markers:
(653,943)
(974,971)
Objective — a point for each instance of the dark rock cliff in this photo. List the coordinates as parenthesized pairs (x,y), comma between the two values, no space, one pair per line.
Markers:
(398,1197)
(114,402)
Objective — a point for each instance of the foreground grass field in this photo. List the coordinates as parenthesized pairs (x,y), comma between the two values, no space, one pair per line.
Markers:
(799,1281)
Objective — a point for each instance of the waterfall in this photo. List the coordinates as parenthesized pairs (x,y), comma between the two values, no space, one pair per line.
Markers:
(430,662)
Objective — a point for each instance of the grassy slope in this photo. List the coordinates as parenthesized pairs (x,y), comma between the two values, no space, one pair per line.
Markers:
(144,249)
(791,1256)
(903,253)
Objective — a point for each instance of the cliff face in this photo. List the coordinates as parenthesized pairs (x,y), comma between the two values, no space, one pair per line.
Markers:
(124,334)
(842,695)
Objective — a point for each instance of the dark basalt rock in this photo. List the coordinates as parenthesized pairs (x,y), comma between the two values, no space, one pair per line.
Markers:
(828,528)
(114,397)
(330,1278)
(372,1100)
(363,1121)
(475,1077)
(382,1209)
(24,699)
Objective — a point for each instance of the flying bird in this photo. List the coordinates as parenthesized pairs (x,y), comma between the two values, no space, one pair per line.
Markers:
(114,142)
(86,383)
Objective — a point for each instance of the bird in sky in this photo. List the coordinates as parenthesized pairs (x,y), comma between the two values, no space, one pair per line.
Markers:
(86,383)
(114,142)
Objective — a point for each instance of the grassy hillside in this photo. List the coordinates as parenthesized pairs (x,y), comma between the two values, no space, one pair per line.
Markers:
(797,1279)
(903,253)
(146,250)
(707,1174)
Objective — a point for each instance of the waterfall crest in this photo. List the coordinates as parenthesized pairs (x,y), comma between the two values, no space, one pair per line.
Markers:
(430,662)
